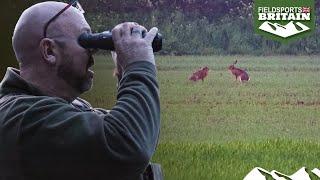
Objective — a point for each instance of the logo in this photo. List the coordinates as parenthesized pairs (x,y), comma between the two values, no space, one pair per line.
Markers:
(261,174)
(284,20)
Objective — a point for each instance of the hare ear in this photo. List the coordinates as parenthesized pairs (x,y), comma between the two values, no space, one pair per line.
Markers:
(235,62)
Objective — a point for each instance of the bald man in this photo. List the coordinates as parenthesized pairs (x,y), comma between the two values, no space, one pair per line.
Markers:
(46,131)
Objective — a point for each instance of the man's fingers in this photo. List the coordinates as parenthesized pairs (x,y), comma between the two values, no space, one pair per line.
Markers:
(132,44)
(116,33)
(151,34)
(125,30)
(138,31)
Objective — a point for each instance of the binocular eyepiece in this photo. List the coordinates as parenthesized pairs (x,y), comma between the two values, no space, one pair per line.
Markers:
(104,41)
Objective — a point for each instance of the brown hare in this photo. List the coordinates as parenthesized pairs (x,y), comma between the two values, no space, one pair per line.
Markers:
(199,74)
(240,74)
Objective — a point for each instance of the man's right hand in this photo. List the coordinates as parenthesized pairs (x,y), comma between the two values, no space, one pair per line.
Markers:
(131,45)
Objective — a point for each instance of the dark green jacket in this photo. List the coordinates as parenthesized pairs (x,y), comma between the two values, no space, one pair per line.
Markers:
(44,137)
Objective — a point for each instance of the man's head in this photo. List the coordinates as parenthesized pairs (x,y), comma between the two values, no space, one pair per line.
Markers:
(57,59)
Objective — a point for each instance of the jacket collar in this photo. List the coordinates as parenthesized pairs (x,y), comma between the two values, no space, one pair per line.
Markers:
(14,83)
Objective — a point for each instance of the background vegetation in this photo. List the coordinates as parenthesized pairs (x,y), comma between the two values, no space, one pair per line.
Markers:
(199,27)
(190,27)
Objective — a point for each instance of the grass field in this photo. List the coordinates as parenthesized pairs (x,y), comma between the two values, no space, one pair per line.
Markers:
(221,129)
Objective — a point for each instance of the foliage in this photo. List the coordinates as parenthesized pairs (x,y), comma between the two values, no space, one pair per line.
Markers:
(199,27)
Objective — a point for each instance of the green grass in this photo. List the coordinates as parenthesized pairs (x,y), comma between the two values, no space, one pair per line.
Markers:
(235,160)
(221,129)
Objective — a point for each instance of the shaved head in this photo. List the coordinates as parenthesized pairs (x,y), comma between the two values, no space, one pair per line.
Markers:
(29,28)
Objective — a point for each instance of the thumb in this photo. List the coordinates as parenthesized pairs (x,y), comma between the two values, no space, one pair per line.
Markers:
(114,56)
(151,34)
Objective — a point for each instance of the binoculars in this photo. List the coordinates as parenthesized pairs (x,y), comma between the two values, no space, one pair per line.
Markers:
(104,41)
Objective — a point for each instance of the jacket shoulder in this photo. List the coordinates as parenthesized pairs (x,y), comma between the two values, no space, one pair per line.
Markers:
(27,100)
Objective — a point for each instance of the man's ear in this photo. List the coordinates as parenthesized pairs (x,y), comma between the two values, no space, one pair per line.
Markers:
(48,50)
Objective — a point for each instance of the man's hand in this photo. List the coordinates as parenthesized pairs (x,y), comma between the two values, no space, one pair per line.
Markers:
(132,43)
(117,71)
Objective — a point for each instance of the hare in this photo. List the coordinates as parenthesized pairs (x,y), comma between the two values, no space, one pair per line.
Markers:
(200,74)
(240,74)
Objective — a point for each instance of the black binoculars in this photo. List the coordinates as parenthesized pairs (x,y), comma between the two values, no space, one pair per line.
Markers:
(104,41)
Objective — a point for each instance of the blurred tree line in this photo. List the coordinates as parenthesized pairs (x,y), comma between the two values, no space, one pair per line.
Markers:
(201,27)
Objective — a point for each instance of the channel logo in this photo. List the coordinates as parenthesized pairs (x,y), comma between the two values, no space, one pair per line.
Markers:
(259,173)
(284,20)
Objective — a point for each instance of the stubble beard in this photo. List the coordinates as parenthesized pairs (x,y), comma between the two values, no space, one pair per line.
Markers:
(80,83)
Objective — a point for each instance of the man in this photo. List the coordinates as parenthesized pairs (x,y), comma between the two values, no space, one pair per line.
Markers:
(46,131)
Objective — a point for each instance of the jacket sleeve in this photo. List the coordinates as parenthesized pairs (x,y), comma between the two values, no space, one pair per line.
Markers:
(119,142)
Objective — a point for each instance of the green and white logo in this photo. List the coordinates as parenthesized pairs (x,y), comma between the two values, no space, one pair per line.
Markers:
(284,20)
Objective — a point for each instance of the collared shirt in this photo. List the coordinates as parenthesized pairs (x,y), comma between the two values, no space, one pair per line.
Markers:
(45,137)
